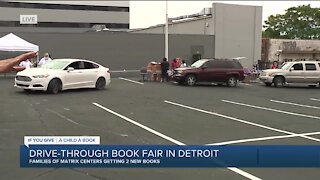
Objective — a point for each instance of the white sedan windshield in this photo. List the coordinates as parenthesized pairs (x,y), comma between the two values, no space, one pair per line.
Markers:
(55,64)
(198,63)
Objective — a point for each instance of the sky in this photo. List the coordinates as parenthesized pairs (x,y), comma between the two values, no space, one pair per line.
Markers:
(147,13)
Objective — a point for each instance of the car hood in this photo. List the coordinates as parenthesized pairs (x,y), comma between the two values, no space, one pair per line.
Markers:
(36,71)
(273,70)
(184,68)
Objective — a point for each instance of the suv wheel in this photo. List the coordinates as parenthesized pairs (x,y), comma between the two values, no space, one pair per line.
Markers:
(278,81)
(191,80)
(232,81)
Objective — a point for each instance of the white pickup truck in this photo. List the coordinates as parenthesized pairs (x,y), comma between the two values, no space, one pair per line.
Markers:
(302,72)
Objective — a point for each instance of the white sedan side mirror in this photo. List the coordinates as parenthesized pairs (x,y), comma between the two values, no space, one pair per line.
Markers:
(70,69)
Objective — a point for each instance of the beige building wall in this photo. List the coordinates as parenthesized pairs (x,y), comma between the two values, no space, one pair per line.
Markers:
(294,49)
(238,32)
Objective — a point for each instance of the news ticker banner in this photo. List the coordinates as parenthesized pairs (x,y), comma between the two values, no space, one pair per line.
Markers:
(86,152)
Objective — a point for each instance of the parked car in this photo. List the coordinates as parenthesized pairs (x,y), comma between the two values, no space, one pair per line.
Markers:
(62,74)
(228,71)
(303,72)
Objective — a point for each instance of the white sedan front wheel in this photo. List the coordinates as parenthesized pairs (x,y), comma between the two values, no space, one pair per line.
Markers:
(54,86)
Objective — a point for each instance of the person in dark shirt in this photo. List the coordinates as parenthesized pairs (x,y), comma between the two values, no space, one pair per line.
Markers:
(164,70)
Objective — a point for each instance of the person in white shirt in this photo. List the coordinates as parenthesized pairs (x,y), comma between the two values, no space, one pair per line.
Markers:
(27,64)
(44,60)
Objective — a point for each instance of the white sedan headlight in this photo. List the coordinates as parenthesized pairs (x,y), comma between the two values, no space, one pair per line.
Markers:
(41,76)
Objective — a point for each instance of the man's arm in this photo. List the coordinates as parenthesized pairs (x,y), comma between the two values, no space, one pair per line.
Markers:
(8,64)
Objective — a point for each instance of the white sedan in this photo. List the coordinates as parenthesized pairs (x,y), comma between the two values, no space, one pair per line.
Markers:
(62,74)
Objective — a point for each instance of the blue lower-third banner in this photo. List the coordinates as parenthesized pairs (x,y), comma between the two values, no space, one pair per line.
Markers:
(142,156)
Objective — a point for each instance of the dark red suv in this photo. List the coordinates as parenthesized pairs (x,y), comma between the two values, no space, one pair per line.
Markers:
(220,71)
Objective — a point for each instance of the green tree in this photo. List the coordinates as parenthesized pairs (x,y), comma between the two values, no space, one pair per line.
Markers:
(302,22)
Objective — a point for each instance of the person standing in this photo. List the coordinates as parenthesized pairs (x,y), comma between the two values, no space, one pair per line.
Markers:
(174,64)
(44,60)
(164,70)
(274,65)
(27,64)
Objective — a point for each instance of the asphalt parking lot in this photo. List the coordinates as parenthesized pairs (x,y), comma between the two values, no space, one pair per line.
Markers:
(122,114)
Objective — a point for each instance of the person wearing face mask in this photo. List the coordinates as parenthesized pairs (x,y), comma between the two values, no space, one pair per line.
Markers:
(44,60)
(26,64)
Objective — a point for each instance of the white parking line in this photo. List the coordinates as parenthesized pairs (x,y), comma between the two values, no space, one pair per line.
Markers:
(243,173)
(236,170)
(313,99)
(295,104)
(263,138)
(270,109)
(72,121)
(63,117)
(140,125)
(132,81)
(245,84)
(242,121)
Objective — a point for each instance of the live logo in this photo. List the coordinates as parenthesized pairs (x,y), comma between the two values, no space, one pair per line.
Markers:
(28,19)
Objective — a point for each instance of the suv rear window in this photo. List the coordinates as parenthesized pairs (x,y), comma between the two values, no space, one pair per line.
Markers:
(236,64)
(311,67)
(219,64)
(223,64)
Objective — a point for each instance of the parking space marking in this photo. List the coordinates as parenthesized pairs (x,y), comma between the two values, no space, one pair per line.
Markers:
(263,138)
(245,84)
(132,81)
(243,173)
(140,125)
(236,170)
(294,104)
(242,121)
(270,109)
(63,117)
(74,122)
(313,99)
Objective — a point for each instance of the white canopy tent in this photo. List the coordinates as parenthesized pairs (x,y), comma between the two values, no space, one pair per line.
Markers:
(11,42)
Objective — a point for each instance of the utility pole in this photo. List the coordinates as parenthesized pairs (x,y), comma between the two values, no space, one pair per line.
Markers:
(166,34)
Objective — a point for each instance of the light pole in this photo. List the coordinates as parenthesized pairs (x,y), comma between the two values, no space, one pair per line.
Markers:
(279,51)
(166,34)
